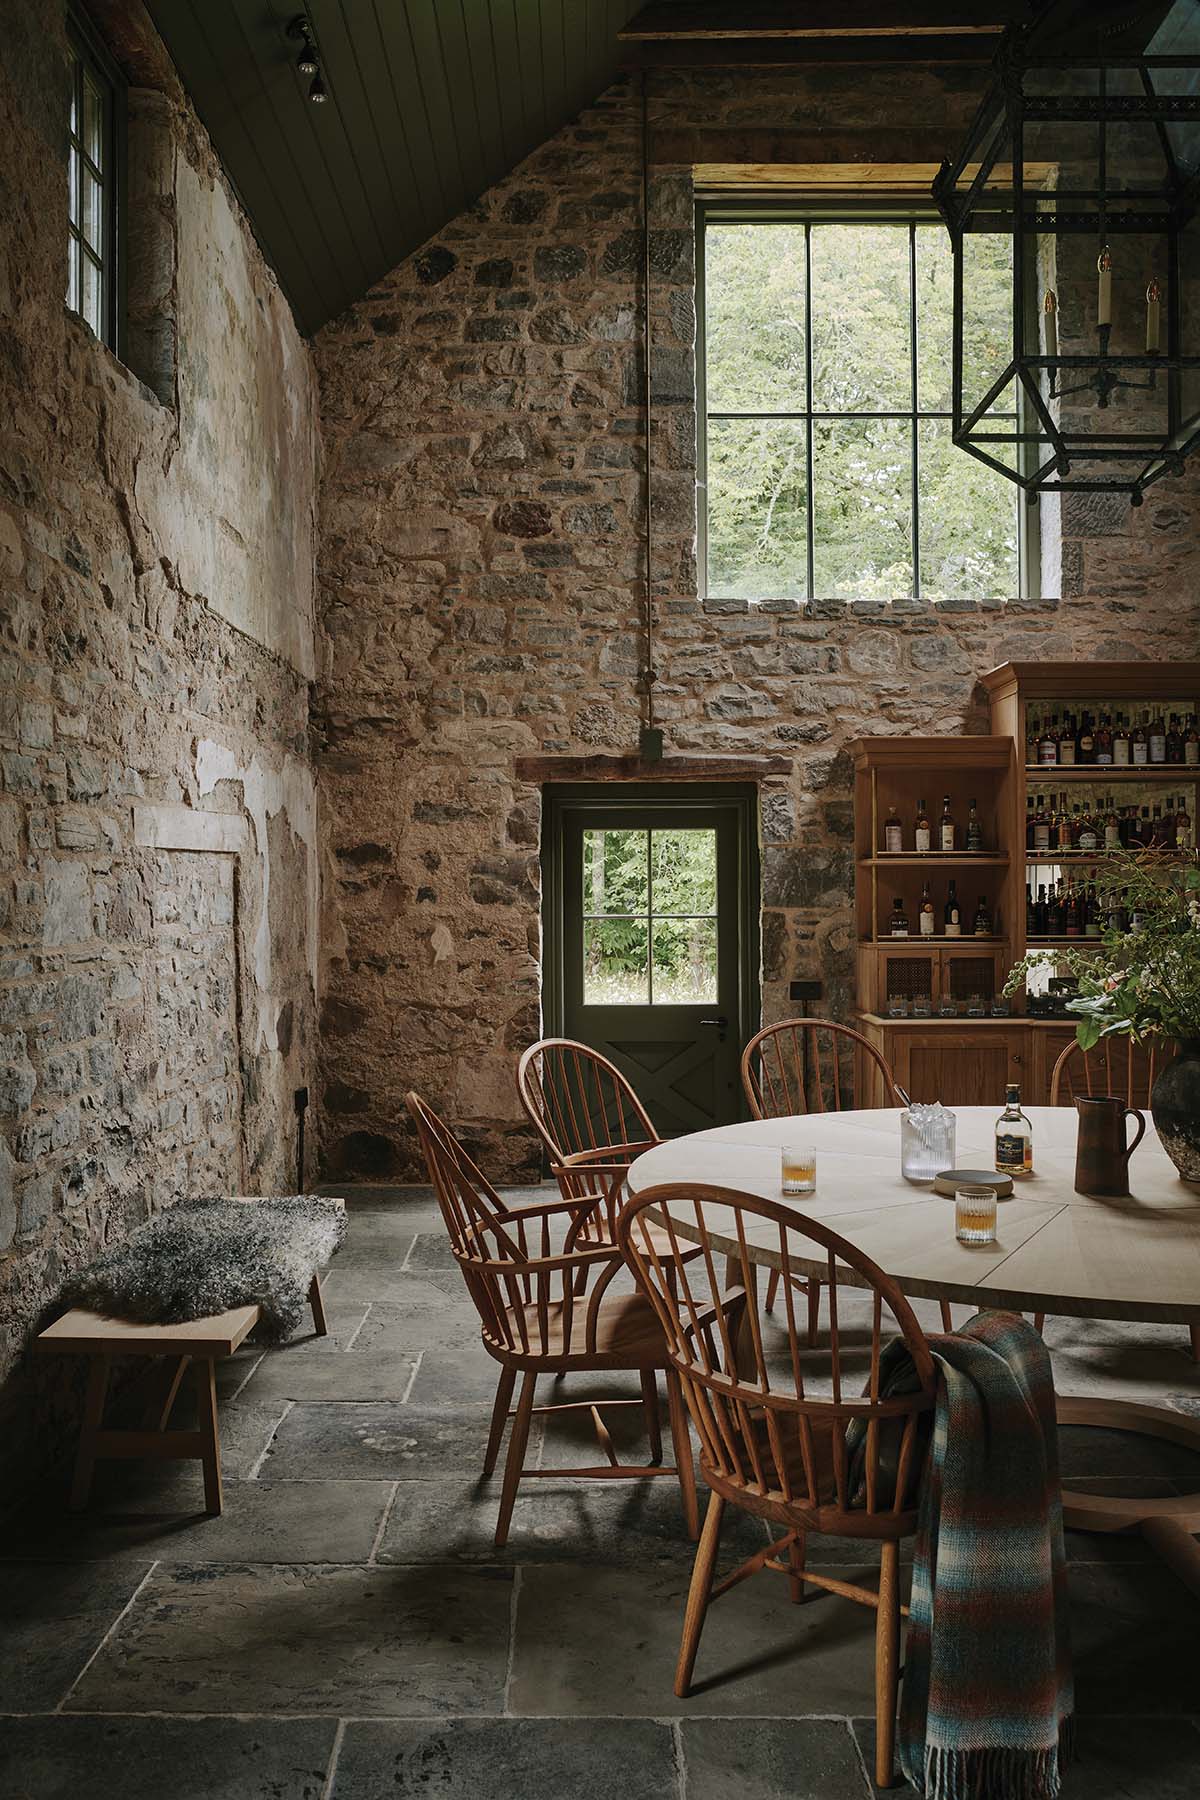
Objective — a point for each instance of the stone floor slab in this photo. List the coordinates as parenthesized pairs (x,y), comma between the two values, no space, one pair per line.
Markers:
(508,1759)
(429,1311)
(1133,1634)
(624,1524)
(378,1440)
(772,1759)
(263,1521)
(459,1377)
(365,1375)
(144,1759)
(760,1655)
(373,1643)
(52,1617)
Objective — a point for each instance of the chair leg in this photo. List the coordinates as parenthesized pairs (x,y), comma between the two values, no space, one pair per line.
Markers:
(947,1316)
(796,1553)
(887,1662)
(504,1388)
(681,1444)
(210,1456)
(515,1460)
(93,1413)
(1039,1319)
(1195,1330)
(317,1303)
(698,1592)
(814,1313)
(650,1409)
(772,1291)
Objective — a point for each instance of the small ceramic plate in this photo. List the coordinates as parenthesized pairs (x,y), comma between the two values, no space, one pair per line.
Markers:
(950,1180)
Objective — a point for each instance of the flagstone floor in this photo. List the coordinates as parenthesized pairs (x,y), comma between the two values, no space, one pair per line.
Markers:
(347,1631)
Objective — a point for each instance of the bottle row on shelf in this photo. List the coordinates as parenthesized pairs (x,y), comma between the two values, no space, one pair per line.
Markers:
(1069,909)
(952,917)
(1111,740)
(1086,825)
(943,837)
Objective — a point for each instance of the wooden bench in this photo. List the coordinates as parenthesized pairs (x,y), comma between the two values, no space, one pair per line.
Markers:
(197,1341)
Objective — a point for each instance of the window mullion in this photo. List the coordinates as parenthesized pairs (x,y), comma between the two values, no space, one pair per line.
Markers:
(914,427)
(809,580)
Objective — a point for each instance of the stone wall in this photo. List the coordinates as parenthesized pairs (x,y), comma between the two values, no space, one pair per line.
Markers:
(480,586)
(157,835)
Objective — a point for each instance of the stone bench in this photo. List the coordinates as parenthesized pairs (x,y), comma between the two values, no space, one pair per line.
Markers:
(197,1341)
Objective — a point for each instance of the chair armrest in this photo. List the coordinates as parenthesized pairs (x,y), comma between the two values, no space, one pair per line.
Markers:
(608,1159)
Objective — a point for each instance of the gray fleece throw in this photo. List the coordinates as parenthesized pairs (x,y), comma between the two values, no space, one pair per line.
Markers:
(206,1256)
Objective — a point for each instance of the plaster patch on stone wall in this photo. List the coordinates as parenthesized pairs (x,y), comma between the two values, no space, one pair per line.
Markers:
(266,792)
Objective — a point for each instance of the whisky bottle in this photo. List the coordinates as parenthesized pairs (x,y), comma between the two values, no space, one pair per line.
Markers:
(1048,742)
(898,926)
(1062,825)
(1191,743)
(1086,748)
(1014,1137)
(1185,831)
(893,834)
(1089,837)
(974,832)
(1140,741)
(1041,827)
(928,921)
(924,833)
(1158,740)
(1121,743)
(1104,742)
(946,827)
(1112,828)
(983,919)
(1066,743)
(1174,740)
(1029,821)
(952,917)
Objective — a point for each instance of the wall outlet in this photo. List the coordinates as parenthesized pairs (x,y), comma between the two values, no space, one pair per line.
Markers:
(805,990)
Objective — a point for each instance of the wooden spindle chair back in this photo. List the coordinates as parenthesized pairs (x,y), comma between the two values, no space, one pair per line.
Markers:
(526,1285)
(1116,1065)
(766,1441)
(589,1119)
(807,1066)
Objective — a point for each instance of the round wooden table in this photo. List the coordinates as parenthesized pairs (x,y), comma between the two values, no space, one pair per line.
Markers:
(1057,1252)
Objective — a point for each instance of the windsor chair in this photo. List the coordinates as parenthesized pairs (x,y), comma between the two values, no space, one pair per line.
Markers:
(767,1445)
(543,1289)
(1116,1065)
(591,1123)
(799,1066)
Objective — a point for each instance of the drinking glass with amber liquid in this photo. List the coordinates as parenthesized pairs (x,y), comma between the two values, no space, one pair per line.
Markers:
(798,1169)
(975,1215)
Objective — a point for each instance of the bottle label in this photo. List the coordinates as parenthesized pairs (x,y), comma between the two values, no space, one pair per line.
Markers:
(927,924)
(1191,753)
(1041,837)
(1112,837)
(1121,752)
(1088,839)
(1140,755)
(1158,748)
(1066,751)
(893,841)
(954,925)
(1010,1153)
(1104,756)
(1048,753)
(947,837)
(924,840)
(974,839)
(899,930)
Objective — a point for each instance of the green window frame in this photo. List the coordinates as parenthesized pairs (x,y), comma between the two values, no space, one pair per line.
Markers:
(811,217)
(95,185)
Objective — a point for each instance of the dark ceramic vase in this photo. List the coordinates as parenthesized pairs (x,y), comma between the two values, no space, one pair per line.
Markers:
(1175,1107)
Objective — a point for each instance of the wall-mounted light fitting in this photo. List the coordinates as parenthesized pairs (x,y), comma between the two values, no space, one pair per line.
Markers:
(317,91)
(308,61)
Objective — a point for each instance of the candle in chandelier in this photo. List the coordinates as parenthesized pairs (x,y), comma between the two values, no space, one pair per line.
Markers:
(1153,305)
(1050,309)
(1104,291)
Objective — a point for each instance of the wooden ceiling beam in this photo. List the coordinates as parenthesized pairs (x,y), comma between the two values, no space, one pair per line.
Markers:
(716,146)
(759,53)
(722,21)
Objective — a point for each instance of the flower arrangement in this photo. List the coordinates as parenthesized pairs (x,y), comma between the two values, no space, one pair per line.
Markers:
(1144,981)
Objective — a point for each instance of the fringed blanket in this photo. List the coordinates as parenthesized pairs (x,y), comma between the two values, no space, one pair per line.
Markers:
(988,1699)
(206,1256)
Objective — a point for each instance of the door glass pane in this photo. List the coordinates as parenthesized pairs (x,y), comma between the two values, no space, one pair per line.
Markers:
(861,357)
(615,872)
(757,510)
(684,865)
(862,498)
(616,962)
(754,318)
(685,962)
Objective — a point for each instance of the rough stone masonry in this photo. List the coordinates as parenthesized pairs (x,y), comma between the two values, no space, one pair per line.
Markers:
(158,853)
(480,580)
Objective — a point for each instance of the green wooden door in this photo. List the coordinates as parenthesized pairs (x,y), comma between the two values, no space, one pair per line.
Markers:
(651,933)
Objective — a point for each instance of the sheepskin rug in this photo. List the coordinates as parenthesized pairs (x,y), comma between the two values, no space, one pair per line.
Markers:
(205,1256)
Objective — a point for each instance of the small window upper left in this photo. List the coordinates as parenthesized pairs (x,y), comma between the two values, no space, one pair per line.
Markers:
(94,182)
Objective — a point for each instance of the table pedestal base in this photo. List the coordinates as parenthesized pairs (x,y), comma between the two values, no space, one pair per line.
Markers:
(1166,1521)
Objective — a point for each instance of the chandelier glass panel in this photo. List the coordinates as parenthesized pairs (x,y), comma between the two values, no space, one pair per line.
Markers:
(1075,196)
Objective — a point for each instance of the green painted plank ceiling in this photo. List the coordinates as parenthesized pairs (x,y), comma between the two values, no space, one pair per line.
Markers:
(431,102)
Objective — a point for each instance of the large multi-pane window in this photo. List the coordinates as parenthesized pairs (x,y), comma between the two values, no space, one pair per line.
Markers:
(827,465)
(93,186)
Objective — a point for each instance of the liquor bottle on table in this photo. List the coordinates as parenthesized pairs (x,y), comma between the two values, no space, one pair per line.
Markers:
(1014,1136)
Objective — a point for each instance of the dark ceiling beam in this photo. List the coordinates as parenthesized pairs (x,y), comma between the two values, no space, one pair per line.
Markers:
(835,144)
(724,21)
(751,53)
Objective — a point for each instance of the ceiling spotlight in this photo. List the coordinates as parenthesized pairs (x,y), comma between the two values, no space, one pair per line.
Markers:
(317,92)
(306,62)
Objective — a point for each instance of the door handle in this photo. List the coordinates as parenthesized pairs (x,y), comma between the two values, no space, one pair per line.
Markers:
(721,1023)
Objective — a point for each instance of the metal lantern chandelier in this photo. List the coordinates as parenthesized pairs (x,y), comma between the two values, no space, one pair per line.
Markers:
(1072,213)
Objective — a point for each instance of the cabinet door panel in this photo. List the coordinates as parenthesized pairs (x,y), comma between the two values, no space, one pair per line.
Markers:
(964,1070)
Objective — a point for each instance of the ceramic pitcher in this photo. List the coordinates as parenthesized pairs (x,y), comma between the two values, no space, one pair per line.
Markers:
(1102,1154)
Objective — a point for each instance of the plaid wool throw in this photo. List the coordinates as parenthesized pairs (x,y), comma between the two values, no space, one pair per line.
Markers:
(988,1701)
